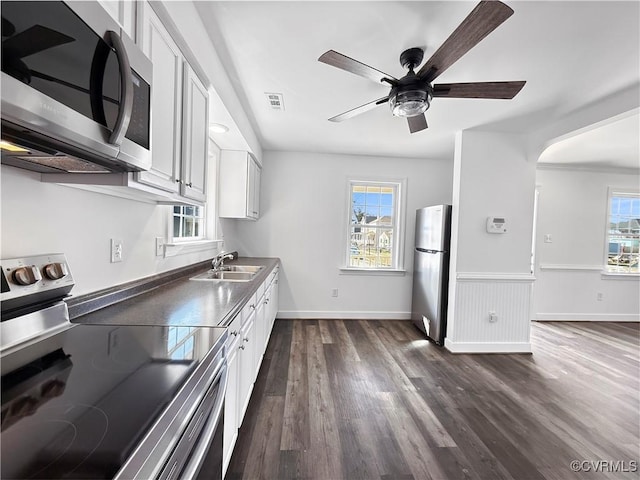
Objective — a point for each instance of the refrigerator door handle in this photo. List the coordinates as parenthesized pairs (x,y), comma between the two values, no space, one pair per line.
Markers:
(424,250)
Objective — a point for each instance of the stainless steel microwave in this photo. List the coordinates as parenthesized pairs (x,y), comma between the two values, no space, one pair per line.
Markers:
(76,90)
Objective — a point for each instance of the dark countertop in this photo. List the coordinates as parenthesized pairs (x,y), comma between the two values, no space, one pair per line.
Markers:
(180,301)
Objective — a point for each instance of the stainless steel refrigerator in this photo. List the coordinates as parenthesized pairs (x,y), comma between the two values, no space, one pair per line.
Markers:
(431,271)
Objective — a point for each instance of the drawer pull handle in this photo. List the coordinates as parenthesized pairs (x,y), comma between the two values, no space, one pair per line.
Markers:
(234,333)
(241,347)
(245,339)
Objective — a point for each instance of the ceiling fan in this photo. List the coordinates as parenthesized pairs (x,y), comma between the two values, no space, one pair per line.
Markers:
(411,95)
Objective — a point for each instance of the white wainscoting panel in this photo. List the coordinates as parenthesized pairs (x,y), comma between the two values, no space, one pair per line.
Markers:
(477,296)
(585,293)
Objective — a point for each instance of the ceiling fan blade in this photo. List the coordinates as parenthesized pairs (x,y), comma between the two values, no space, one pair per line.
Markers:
(358,110)
(33,40)
(484,19)
(343,62)
(505,90)
(417,123)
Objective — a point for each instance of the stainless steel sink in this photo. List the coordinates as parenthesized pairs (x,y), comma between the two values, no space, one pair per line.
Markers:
(242,268)
(231,273)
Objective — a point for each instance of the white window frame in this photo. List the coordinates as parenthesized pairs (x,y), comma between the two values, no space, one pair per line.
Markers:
(616,192)
(211,227)
(201,219)
(398,225)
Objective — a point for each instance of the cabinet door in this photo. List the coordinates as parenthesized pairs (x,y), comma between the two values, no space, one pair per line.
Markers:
(261,334)
(166,103)
(230,433)
(123,12)
(246,364)
(272,305)
(273,302)
(253,210)
(239,185)
(196,137)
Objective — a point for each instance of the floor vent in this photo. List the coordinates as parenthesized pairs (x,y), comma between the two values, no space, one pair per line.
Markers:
(276,100)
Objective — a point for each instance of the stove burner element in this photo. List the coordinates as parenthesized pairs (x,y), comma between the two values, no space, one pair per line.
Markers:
(65,437)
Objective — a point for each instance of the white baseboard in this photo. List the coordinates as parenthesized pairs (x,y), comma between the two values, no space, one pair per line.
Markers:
(586,317)
(487,347)
(353,315)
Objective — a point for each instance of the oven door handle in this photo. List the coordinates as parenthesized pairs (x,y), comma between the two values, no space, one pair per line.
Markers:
(192,468)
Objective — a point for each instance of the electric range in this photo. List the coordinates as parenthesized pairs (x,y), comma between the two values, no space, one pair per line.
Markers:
(95,401)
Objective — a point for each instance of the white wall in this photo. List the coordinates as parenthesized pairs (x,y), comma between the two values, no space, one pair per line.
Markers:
(40,218)
(303,221)
(572,209)
(490,273)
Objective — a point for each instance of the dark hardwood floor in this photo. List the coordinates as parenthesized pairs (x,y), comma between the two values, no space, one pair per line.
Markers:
(373,400)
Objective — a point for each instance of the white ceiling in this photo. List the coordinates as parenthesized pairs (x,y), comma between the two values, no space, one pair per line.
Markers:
(615,144)
(570,53)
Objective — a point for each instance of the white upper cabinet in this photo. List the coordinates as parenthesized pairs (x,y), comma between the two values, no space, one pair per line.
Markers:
(179,111)
(195,137)
(166,103)
(239,185)
(123,12)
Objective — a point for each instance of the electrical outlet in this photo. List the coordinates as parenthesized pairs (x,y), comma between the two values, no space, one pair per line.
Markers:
(159,246)
(116,250)
(548,238)
(334,292)
(599,296)
(493,317)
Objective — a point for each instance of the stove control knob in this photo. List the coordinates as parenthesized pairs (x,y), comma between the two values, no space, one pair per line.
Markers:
(54,271)
(26,275)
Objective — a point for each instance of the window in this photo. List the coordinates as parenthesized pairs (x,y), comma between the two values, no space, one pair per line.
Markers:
(374,233)
(623,232)
(188,223)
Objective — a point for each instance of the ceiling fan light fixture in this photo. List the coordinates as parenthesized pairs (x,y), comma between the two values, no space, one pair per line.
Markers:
(409,103)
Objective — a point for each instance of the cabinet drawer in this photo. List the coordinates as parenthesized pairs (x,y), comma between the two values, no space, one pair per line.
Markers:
(234,331)
(249,307)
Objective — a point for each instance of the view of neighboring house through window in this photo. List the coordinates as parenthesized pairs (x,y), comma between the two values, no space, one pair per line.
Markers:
(188,222)
(623,233)
(373,225)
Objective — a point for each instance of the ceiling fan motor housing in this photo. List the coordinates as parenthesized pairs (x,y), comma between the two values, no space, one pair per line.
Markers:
(411,58)
(410,96)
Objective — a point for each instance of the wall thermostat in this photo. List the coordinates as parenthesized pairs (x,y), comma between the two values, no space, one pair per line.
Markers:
(496,225)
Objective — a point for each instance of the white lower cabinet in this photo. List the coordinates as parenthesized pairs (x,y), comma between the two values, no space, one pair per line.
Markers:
(230,433)
(248,338)
(247,363)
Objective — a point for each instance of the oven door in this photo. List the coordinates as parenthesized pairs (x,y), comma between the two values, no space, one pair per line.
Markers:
(77,83)
(199,452)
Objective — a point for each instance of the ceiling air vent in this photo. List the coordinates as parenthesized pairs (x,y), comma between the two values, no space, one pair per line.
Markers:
(276,100)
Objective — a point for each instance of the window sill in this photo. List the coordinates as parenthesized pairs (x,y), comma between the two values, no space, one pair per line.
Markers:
(371,271)
(181,248)
(619,276)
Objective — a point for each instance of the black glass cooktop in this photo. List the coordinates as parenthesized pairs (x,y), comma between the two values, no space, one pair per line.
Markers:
(76,404)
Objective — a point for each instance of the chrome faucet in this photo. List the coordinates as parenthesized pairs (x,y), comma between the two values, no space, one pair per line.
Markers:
(218,262)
